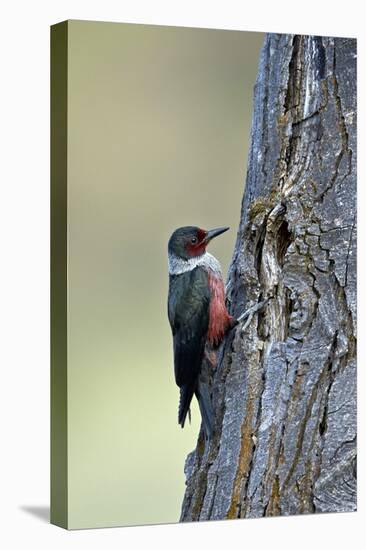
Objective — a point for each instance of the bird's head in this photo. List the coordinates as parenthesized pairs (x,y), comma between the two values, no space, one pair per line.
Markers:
(189,242)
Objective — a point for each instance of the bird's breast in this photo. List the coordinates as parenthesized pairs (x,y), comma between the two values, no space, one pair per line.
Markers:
(219,318)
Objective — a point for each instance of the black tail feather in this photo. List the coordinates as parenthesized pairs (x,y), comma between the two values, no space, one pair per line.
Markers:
(204,401)
(186,394)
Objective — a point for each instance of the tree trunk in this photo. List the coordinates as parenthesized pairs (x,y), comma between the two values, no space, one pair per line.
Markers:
(284,389)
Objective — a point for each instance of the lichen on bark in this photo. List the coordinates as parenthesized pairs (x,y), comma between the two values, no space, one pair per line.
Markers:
(284,390)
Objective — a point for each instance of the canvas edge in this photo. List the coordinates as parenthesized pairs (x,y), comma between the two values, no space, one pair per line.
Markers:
(58,255)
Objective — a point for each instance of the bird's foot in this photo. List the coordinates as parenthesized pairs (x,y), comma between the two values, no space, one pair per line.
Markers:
(247,316)
(211,356)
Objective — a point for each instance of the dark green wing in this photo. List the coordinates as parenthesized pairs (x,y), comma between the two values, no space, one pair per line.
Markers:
(188,311)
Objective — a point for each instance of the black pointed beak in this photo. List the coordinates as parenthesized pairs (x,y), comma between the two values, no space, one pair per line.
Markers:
(215,233)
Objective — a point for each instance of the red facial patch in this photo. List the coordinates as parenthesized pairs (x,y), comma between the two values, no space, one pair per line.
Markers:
(198,248)
(201,234)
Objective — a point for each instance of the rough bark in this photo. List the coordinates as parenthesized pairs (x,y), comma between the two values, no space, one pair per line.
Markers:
(284,390)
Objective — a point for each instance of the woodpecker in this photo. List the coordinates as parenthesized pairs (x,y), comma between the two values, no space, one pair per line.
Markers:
(197,314)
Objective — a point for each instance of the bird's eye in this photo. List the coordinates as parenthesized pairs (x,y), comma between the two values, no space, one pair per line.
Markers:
(193,240)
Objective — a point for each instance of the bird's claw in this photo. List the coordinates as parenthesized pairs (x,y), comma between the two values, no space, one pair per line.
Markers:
(247,316)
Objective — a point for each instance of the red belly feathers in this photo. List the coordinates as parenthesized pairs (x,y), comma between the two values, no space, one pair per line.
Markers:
(219,318)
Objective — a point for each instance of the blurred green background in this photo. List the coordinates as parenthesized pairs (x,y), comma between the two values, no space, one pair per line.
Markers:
(159,122)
